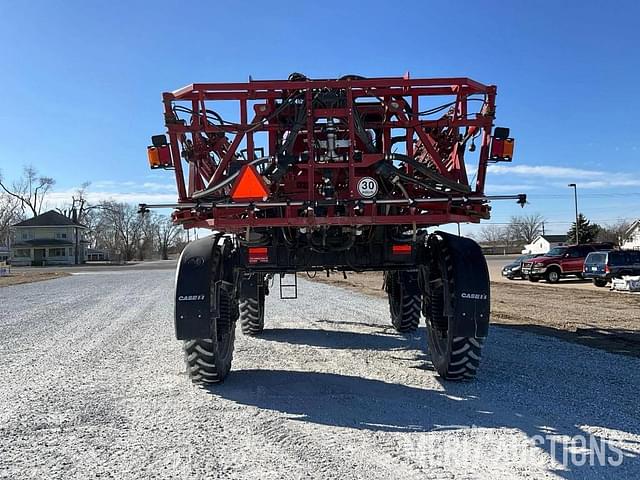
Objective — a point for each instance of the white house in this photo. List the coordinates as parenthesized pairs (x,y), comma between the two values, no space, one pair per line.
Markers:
(633,236)
(48,239)
(544,243)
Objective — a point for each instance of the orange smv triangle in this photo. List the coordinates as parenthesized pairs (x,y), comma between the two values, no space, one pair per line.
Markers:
(249,185)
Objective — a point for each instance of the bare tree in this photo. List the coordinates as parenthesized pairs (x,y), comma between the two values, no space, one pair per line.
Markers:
(616,233)
(167,234)
(119,228)
(10,213)
(31,190)
(79,207)
(147,239)
(493,234)
(525,228)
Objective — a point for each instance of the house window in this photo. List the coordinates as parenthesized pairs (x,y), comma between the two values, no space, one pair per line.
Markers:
(57,252)
(61,236)
(23,253)
(25,235)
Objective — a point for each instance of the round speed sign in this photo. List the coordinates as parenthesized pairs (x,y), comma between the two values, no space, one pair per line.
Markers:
(367,187)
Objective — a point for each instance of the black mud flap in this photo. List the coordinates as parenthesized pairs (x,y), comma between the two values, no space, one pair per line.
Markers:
(193,290)
(471,289)
(249,286)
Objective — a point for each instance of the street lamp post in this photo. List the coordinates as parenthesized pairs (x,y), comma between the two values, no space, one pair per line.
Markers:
(575,199)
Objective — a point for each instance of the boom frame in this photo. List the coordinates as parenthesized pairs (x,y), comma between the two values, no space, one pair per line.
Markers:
(428,141)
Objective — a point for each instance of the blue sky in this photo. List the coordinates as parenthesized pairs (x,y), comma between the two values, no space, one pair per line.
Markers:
(81,83)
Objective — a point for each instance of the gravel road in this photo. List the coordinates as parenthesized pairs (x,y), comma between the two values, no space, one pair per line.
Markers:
(93,386)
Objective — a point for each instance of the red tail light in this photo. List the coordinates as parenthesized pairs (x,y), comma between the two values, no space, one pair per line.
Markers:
(258,254)
(401,249)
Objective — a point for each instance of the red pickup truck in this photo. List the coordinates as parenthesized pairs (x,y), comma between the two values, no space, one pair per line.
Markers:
(560,262)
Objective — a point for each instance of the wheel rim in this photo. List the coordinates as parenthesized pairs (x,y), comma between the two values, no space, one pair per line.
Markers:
(553,276)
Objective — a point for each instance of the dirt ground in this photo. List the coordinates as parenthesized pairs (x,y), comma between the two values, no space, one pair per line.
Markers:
(595,317)
(29,276)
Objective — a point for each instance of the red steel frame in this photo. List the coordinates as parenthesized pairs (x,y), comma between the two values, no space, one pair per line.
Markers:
(435,142)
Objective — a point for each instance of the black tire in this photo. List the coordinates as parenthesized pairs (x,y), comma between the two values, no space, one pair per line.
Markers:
(599,282)
(405,300)
(454,358)
(209,359)
(252,313)
(552,275)
(461,359)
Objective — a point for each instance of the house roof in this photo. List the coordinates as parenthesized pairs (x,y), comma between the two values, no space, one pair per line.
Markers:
(43,242)
(49,219)
(633,226)
(554,238)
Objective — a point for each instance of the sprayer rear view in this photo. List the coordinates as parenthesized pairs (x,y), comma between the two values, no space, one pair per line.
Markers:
(345,174)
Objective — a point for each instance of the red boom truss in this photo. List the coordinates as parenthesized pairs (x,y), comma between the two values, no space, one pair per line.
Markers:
(313,141)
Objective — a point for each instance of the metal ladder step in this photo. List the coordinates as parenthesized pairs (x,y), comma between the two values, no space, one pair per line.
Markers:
(288,291)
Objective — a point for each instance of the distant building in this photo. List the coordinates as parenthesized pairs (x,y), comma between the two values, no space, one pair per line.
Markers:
(4,254)
(48,239)
(97,255)
(633,236)
(544,243)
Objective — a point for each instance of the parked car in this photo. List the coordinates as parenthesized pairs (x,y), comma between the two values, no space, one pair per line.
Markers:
(601,267)
(514,269)
(561,261)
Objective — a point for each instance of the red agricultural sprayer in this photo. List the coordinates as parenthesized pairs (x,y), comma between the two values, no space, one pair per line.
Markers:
(345,174)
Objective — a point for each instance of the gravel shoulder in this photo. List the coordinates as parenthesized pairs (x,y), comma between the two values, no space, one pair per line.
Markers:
(93,385)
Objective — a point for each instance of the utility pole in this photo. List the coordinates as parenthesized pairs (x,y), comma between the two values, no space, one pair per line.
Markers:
(575,198)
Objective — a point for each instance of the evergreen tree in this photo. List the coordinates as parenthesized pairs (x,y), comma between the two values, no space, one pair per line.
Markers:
(588,232)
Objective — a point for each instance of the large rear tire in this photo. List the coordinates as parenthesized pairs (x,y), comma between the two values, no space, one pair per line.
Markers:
(252,312)
(453,357)
(209,359)
(404,300)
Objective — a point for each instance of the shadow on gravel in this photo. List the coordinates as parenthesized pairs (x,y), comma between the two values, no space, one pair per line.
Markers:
(338,400)
(347,340)
(374,405)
